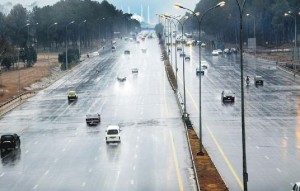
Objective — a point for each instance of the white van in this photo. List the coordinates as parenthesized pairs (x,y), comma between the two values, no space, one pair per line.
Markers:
(113,134)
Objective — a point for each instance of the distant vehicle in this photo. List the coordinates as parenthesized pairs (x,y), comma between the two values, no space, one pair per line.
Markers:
(95,54)
(199,71)
(72,96)
(9,141)
(233,50)
(189,43)
(228,95)
(204,66)
(219,51)
(215,53)
(179,48)
(126,52)
(203,44)
(113,42)
(187,58)
(227,51)
(296,186)
(182,54)
(113,134)
(135,70)
(258,80)
(93,119)
(121,79)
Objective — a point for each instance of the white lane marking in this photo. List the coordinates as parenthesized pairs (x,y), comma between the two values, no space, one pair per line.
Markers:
(35,142)
(131,182)
(96,158)
(136,146)
(2,174)
(257,147)
(90,170)
(35,187)
(133,168)
(83,184)
(135,156)
(46,172)
(26,151)
(267,157)
(278,169)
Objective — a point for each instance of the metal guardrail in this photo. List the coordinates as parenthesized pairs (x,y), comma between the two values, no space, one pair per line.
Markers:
(11,104)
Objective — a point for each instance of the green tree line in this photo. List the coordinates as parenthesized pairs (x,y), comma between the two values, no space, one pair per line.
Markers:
(51,27)
(272,27)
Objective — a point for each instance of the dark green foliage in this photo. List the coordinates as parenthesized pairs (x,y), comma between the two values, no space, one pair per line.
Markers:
(270,23)
(73,57)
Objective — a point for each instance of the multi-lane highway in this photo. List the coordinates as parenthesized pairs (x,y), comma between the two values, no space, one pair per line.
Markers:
(271,116)
(60,152)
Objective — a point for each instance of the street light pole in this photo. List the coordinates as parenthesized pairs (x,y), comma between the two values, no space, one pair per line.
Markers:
(201,153)
(80,37)
(289,13)
(67,43)
(49,44)
(245,174)
(253,32)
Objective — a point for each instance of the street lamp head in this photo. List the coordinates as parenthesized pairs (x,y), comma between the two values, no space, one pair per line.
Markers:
(55,23)
(72,22)
(289,12)
(247,14)
(186,17)
(177,5)
(84,21)
(197,14)
(286,14)
(221,4)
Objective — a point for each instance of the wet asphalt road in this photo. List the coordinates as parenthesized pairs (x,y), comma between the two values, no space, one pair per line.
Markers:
(271,119)
(60,152)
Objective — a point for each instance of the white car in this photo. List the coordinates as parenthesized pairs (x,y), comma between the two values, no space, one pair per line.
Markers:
(134,70)
(215,53)
(113,134)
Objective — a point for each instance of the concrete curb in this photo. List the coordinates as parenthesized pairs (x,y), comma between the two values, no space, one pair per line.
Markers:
(13,103)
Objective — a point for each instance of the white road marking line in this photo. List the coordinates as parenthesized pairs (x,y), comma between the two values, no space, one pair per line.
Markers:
(133,168)
(46,172)
(35,187)
(83,184)
(257,147)
(267,157)
(278,169)
(2,174)
(131,182)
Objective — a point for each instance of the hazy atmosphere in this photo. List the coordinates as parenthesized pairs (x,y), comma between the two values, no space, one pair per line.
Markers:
(132,6)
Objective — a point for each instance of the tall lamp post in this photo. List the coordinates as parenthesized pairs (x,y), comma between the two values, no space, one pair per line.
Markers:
(185,115)
(199,31)
(49,44)
(291,14)
(254,36)
(245,173)
(80,36)
(67,43)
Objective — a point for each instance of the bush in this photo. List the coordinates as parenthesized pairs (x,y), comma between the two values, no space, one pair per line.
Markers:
(73,55)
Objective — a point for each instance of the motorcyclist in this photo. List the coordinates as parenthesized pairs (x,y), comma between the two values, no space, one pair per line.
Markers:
(247,80)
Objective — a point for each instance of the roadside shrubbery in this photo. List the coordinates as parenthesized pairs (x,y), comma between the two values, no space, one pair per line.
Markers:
(73,58)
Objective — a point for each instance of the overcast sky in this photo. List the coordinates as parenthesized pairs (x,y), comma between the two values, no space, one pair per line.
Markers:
(134,6)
